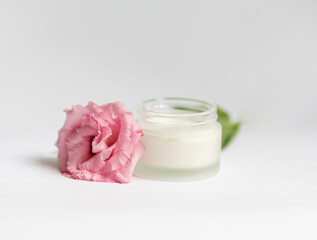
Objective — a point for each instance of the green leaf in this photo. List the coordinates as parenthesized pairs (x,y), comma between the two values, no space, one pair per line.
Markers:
(187,109)
(229,129)
(222,115)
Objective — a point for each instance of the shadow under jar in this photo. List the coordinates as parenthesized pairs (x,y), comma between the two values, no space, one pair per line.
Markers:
(182,139)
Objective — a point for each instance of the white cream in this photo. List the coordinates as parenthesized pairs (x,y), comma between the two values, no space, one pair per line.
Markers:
(182,150)
(179,146)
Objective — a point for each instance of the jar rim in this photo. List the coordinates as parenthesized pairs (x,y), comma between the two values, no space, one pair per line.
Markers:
(203,109)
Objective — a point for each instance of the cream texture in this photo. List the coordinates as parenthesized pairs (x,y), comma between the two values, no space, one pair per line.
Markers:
(186,148)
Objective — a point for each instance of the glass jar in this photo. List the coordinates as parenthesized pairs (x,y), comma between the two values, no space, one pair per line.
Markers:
(182,139)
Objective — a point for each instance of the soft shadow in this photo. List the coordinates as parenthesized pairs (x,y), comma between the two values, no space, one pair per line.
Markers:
(47,162)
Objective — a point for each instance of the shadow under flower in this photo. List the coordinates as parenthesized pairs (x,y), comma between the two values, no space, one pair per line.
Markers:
(50,162)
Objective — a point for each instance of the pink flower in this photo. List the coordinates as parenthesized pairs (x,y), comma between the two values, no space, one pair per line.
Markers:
(99,143)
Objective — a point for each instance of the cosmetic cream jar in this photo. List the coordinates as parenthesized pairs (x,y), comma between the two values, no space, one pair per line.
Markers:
(182,139)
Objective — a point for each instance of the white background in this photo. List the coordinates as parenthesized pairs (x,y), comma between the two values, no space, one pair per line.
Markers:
(257,59)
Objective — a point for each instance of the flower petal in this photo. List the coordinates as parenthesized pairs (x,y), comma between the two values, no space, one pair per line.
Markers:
(99,143)
(73,121)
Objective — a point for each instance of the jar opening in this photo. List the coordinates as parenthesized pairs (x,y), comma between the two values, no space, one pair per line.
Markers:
(177,111)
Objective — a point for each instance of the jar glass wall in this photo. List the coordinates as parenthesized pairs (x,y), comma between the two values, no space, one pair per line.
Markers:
(182,139)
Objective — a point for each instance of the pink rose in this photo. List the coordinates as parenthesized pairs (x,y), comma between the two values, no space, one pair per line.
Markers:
(99,143)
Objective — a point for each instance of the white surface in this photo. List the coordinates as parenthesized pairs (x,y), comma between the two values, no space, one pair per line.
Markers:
(266,189)
(255,58)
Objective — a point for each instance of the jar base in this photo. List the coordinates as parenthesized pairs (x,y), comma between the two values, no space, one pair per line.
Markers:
(175,175)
